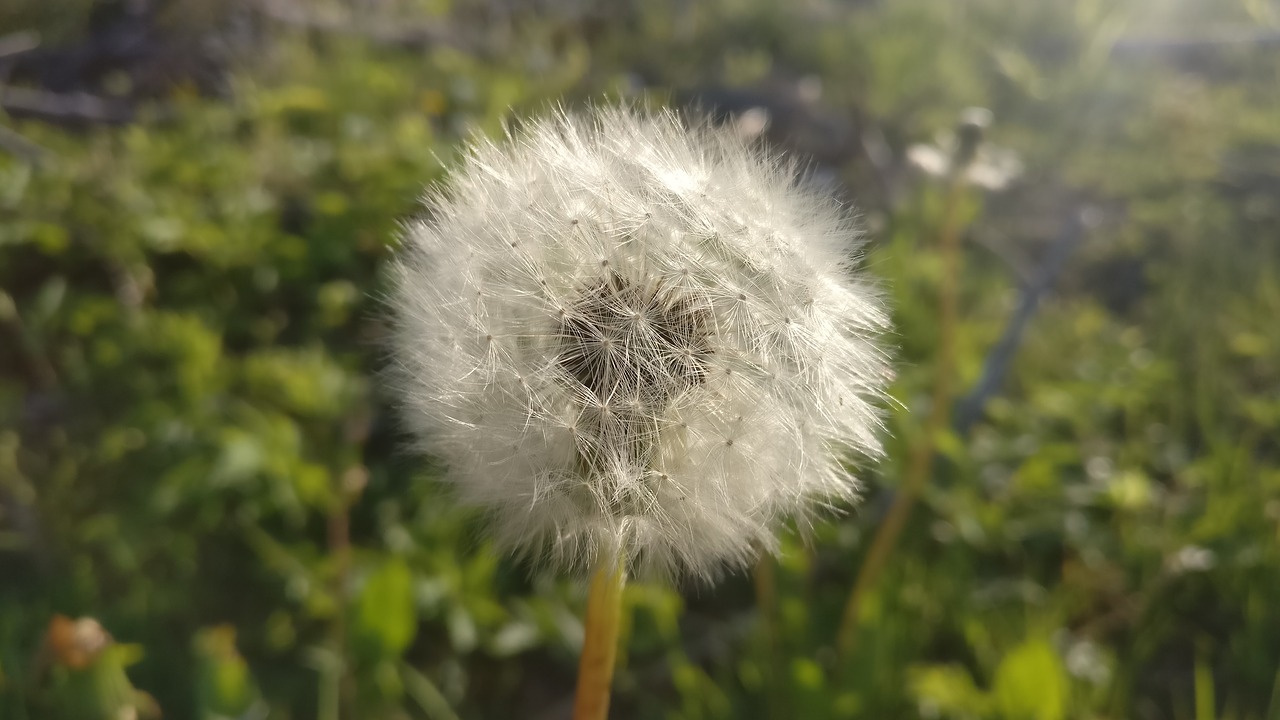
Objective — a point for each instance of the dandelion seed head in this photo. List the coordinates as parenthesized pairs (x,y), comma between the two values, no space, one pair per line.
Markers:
(625,335)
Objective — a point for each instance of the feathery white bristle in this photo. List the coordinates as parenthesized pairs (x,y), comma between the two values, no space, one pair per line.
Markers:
(625,335)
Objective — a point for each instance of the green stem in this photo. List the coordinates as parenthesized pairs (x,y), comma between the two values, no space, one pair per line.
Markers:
(920,461)
(766,582)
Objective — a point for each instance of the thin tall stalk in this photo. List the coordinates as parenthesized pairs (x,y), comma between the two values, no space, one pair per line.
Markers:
(338,685)
(600,644)
(920,461)
(766,586)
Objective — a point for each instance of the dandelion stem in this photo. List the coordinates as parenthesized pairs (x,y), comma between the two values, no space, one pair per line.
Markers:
(600,644)
(920,461)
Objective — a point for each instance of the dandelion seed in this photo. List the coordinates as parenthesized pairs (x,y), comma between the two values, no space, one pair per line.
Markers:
(678,356)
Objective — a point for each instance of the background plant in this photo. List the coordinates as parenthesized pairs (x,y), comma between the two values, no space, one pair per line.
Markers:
(191,439)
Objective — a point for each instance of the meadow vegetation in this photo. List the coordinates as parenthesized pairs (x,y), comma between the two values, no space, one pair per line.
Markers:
(197,452)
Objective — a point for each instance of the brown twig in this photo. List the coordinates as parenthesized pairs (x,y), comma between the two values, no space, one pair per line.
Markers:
(64,107)
(996,366)
(18,43)
(386,33)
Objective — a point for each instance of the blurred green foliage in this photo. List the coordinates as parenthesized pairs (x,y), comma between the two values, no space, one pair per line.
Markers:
(194,449)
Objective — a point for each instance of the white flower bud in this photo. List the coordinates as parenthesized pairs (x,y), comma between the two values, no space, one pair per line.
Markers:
(623,335)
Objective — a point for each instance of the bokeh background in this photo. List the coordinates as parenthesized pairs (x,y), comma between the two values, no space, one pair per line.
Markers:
(206,508)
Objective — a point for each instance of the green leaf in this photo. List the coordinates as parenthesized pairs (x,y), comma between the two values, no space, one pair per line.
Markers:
(427,695)
(948,690)
(386,619)
(1031,684)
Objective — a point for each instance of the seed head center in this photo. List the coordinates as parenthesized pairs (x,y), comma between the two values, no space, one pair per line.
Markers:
(641,343)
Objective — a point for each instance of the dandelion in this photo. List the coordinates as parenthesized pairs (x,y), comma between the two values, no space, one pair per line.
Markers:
(638,346)
(965,155)
(963,160)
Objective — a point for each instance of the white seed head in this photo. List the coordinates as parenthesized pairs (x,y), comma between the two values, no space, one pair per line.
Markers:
(625,335)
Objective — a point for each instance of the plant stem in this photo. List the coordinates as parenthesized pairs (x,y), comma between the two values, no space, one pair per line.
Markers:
(339,537)
(600,644)
(920,461)
(766,582)
(350,485)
